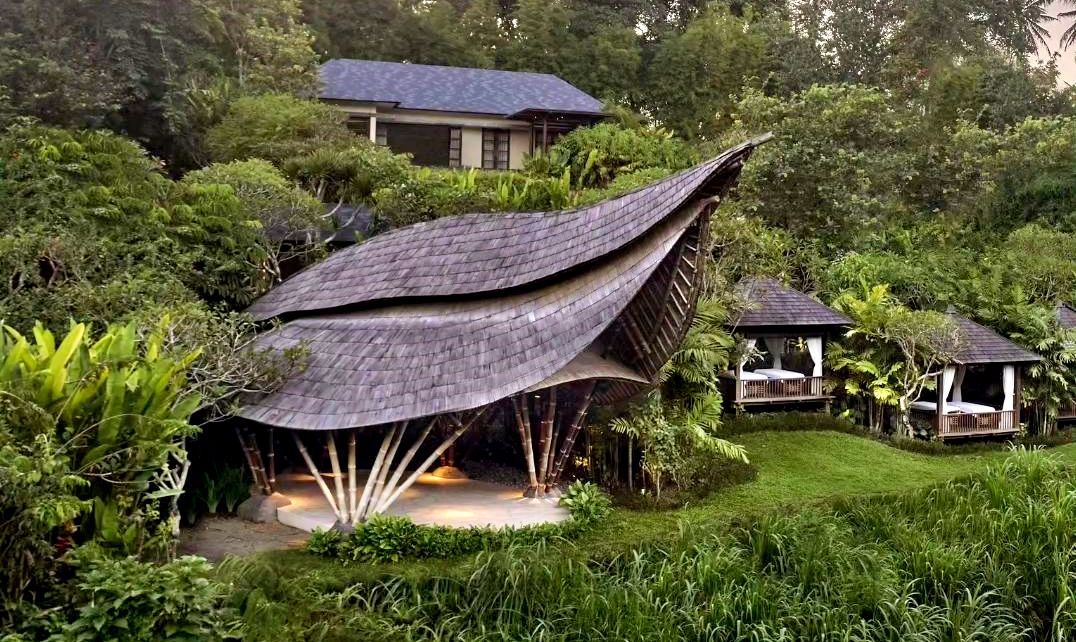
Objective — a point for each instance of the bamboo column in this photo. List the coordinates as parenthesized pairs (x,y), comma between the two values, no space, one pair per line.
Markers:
(359,514)
(573,432)
(523,419)
(352,476)
(460,429)
(402,466)
(317,476)
(338,478)
(254,460)
(546,437)
(272,461)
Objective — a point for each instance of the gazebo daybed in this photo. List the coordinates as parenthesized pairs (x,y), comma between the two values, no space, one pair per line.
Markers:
(997,363)
(414,336)
(776,315)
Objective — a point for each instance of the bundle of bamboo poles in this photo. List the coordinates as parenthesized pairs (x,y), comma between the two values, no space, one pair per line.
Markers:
(386,482)
(545,469)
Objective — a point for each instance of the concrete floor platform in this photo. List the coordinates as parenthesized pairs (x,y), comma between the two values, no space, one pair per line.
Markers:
(460,503)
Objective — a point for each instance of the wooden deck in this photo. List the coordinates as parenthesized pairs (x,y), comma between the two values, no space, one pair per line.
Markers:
(979,424)
(765,391)
(1066,412)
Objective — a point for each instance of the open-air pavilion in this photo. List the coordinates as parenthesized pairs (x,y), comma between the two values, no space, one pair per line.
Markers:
(784,333)
(978,393)
(422,334)
(1066,318)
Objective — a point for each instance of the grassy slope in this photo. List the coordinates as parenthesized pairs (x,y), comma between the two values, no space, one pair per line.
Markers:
(795,468)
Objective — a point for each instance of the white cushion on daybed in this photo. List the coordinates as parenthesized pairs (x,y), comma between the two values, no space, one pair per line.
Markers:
(777,373)
(930,406)
(747,375)
(973,408)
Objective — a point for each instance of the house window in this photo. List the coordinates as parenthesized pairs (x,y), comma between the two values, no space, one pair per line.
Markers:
(495,148)
(360,125)
(455,146)
(382,133)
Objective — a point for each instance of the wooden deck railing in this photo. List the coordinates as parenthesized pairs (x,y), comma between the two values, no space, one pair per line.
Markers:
(968,424)
(778,389)
(1067,411)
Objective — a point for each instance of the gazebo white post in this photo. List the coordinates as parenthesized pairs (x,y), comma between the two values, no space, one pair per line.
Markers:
(814,346)
(947,376)
(1008,385)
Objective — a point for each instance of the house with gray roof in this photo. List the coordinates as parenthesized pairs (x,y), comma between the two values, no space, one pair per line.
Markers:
(456,116)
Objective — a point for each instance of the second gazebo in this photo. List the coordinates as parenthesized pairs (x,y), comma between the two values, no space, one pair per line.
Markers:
(787,366)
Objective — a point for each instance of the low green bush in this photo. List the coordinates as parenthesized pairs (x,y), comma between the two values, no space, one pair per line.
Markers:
(786,422)
(127,600)
(386,538)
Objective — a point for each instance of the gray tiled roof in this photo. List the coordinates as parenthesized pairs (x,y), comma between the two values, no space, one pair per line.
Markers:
(477,253)
(416,360)
(772,304)
(1066,316)
(979,344)
(455,89)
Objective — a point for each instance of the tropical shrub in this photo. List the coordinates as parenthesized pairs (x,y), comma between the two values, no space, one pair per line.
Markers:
(595,156)
(118,406)
(124,599)
(38,497)
(429,195)
(275,127)
(347,172)
(676,425)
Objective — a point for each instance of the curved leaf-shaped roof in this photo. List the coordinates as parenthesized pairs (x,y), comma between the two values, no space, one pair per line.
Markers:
(460,313)
(481,253)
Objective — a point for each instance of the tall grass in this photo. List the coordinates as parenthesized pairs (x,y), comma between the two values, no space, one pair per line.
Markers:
(987,558)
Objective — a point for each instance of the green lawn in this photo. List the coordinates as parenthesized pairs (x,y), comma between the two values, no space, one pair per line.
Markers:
(795,468)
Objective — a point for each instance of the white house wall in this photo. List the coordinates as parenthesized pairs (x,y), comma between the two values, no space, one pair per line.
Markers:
(471,126)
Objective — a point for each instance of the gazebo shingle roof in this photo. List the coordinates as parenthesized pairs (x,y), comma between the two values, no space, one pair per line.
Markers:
(460,313)
(770,303)
(981,345)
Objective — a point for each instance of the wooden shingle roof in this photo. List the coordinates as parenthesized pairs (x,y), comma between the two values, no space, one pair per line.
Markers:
(771,304)
(482,253)
(981,345)
(390,335)
(1066,316)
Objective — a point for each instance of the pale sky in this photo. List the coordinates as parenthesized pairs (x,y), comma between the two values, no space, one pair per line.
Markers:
(1066,62)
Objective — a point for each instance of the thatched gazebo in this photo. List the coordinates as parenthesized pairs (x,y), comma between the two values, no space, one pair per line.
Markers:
(782,319)
(414,335)
(995,364)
